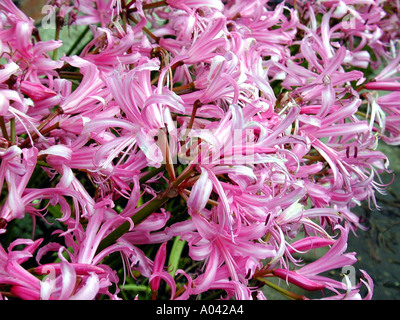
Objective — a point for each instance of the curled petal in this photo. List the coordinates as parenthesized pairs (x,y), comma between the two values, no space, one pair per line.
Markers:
(89,290)
(167,278)
(298,280)
(200,192)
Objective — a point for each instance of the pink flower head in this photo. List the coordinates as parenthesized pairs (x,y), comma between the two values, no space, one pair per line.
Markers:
(307,277)
(98,11)
(23,283)
(16,169)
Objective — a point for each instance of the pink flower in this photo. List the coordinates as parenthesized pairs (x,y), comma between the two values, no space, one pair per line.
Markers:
(99,11)
(5,97)
(114,53)
(62,279)
(203,47)
(16,169)
(85,96)
(220,248)
(84,261)
(9,69)
(16,41)
(23,283)
(307,277)
(9,6)
(388,104)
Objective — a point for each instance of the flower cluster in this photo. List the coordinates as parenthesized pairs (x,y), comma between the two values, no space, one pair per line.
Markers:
(194,148)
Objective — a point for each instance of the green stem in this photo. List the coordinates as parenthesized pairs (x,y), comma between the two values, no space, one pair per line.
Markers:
(135,287)
(361,114)
(12,131)
(282,291)
(71,75)
(42,163)
(56,37)
(4,128)
(183,176)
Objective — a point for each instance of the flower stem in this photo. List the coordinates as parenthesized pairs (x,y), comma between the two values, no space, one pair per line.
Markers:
(167,156)
(42,163)
(197,104)
(187,88)
(12,131)
(71,75)
(59,24)
(284,292)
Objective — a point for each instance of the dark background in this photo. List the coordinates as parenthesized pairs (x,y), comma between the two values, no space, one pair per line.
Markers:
(378,248)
